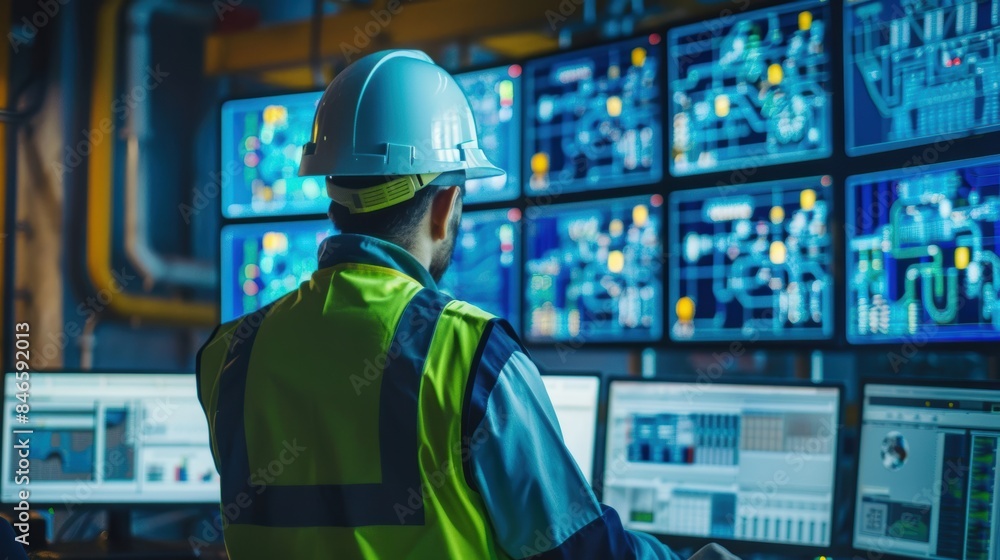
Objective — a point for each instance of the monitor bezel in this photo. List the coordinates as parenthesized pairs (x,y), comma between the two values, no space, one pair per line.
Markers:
(598,418)
(923,382)
(37,505)
(748,546)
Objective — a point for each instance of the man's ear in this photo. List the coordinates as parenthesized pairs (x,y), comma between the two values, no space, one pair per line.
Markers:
(442,209)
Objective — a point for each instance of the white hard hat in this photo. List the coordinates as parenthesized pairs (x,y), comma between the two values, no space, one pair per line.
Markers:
(393,114)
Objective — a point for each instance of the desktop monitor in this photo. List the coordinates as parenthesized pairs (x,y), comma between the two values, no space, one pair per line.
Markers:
(919,72)
(576,399)
(263,262)
(928,471)
(106,439)
(922,254)
(592,118)
(751,89)
(729,462)
(486,266)
(753,262)
(495,97)
(262,142)
(593,271)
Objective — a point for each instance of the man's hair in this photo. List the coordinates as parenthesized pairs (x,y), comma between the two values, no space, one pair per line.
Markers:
(396,224)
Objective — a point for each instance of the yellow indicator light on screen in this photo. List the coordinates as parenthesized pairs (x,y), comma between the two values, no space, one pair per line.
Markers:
(775,74)
(506,90)
(777,214)
(275,114)
(540,163)
(274,242)
(722,106)
(805,21)
(638,56)
(616,227)
(951,405)
(961,258)
(640,215)
(807,199)
(685,309)
(614,106)
(777,253)
(616,261)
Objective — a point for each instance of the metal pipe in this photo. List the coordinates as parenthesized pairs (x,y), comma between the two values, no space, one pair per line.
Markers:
(100,184)
(154,267)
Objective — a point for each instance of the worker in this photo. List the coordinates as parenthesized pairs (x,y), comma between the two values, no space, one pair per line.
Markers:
(367,414)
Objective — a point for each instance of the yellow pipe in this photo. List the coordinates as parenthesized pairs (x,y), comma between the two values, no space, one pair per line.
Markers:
(4,93)
(99,196)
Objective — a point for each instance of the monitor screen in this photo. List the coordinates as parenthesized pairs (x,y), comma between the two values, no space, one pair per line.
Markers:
(593,271)
(485,267)
(495,97)
(575,398)
(593,118)
(262,142)
(928,472)
(919,72)
(752,262)
(262,262)
(751,89)
(718,461)
(106,438)
(922,258)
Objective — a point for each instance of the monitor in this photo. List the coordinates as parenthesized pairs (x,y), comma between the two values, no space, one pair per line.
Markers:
(592,118)
(922,254)
(495,97)
(751,89)
(919,72)
(262,142)
(752,262)
(593,271)
(576,399)
(715,461)
(928,472)
(262,262)
(486,266)
(106,439)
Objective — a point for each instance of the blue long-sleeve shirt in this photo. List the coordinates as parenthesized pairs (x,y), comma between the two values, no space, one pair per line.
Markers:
(539,502)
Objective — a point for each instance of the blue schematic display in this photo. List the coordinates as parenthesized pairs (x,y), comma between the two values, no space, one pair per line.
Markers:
(922,254)
(918,71)
(485,270)
(495,97)
(262,143)
(262,262)
(752,262)
(593,271)
(751,90)
(593,118)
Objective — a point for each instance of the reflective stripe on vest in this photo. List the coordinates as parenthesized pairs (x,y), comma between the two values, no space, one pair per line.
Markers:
(333,505)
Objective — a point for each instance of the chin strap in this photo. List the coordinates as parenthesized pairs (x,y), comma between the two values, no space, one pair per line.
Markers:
(369,199)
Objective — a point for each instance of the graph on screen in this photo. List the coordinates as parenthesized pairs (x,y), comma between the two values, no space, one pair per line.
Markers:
(593,271)
(920,71)
(485,268)
(262,262)
(495,98)
(922,253)
(262,143)
(751,89)
(593,118)
(752,262)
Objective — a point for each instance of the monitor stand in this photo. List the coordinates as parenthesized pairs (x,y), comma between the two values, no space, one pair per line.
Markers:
(118,542)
